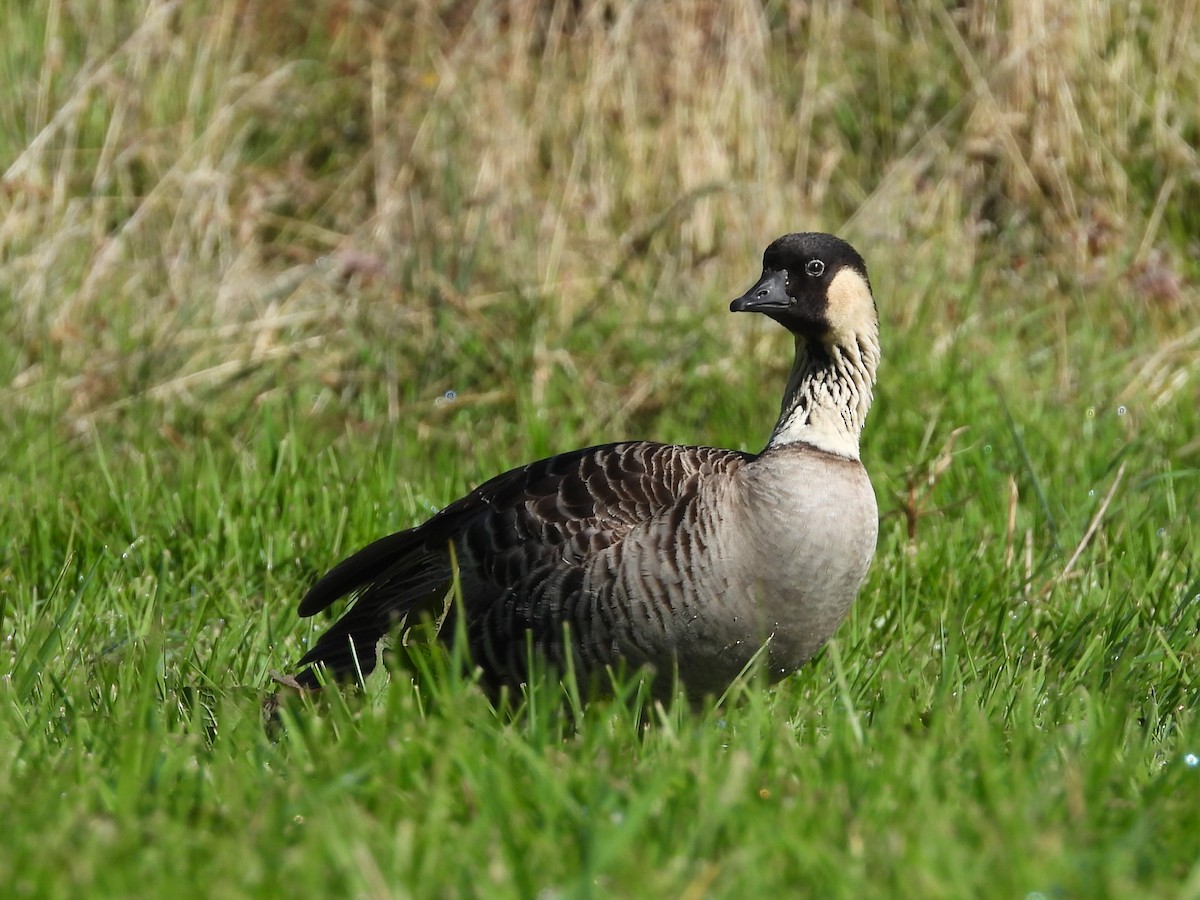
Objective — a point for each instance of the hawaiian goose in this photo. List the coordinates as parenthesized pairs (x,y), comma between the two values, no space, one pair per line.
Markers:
(688,560)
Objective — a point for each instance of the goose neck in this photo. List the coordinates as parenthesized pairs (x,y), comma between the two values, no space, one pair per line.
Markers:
(828,394)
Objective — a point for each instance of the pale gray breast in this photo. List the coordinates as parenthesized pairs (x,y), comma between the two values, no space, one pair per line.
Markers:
(806,539)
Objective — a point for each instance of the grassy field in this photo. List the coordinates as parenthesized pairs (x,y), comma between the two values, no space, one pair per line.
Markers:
(275,282)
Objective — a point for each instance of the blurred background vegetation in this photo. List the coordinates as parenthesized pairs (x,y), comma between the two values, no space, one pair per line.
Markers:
(364,205)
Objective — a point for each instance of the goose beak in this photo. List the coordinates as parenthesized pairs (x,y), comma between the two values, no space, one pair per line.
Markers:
(768,295)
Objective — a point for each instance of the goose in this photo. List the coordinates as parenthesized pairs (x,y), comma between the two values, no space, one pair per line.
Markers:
(688,561)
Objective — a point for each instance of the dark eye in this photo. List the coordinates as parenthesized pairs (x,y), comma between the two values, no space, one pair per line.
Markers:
(815,268)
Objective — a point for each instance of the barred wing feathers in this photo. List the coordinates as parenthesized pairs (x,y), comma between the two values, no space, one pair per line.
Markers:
(538,548)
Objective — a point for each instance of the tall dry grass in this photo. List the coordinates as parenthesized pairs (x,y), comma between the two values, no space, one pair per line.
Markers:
(208,197)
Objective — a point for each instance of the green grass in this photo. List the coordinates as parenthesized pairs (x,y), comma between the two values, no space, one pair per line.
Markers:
(244,255)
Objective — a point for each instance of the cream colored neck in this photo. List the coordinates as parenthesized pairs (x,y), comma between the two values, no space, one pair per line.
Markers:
(828,394)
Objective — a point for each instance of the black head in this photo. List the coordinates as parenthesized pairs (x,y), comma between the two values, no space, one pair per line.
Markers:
(814,285)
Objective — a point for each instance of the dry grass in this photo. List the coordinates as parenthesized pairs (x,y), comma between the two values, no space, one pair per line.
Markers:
(243,191)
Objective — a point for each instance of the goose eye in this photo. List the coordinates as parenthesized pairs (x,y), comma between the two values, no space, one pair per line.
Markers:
(815,268)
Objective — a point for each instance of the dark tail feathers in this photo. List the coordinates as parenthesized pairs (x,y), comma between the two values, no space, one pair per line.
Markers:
(353,572)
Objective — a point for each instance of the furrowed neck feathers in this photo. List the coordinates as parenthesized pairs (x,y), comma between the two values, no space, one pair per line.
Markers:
(829,393)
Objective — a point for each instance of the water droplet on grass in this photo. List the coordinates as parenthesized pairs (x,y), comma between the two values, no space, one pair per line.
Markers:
(1121,410)
(1191,760)
(987,448)
(1091,412)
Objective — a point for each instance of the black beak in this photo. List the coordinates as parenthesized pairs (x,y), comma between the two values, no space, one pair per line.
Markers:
(768,295)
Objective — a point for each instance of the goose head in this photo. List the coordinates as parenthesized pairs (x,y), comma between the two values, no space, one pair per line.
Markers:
(816,286)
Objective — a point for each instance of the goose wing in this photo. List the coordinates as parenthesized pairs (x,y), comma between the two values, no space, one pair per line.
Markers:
(522,541)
